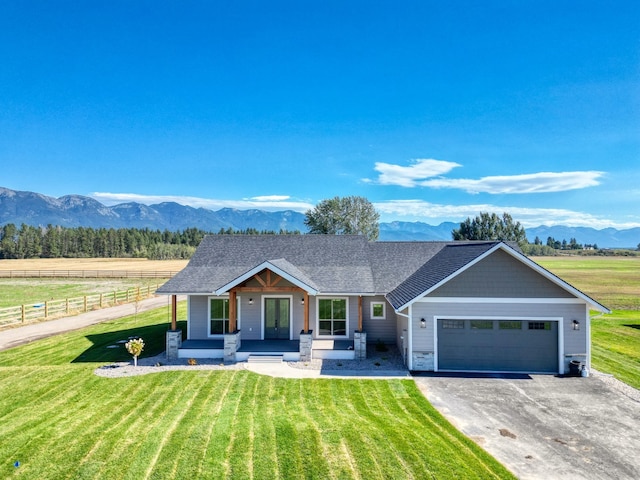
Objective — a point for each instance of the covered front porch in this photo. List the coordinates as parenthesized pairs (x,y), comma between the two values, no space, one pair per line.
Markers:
(289,350)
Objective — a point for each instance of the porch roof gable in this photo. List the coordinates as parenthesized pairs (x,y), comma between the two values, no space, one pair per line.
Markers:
(280,267)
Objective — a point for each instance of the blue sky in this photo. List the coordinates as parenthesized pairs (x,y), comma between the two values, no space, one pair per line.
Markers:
(433,110)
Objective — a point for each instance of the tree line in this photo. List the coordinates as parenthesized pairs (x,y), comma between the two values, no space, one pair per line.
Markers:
(28,241)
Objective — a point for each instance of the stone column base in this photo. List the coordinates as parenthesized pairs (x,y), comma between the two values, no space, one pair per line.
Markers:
(306,346)
(360,345)
(174,342)
(231,346)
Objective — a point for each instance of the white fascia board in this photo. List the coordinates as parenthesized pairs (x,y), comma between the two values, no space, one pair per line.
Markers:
(249,274)
(499,300)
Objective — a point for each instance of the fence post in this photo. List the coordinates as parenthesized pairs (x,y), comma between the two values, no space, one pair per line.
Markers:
(67,306)
(46,309)
(23,313)
(101,296)
(85,303)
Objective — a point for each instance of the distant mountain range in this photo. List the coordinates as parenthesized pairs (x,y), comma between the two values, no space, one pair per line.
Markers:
(31,208)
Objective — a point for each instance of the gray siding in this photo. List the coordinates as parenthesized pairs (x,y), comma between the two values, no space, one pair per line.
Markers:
(383,329)
(250,316)
(502,273)
(198,310)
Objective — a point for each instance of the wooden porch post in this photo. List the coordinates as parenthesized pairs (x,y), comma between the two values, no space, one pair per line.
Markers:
(174,312)
(306,312)
(232,310)
(360,313)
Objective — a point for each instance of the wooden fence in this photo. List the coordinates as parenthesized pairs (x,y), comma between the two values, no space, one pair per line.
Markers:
(50,309)
(84,274)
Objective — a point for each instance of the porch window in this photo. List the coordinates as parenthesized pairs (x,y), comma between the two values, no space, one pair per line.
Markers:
(332,317)
(219,315)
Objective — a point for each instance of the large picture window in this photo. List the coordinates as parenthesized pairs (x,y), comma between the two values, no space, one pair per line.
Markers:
(219,316)
(332,317)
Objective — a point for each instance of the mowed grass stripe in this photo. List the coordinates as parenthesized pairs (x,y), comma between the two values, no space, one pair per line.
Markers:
(213,424)
(115,429)
(182,455)
(167,428)
(213,415)
(239,451)
(314,449)
(373,398)
(365,448)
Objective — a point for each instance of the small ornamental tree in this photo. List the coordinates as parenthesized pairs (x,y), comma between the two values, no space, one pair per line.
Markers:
(135,347)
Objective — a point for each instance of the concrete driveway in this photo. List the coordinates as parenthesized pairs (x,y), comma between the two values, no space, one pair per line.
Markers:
(544,426)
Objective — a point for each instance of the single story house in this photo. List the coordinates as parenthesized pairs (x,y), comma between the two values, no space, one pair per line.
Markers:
(448,306)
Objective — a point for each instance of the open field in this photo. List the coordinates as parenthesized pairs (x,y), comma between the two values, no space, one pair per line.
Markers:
(133,264)
(612,281)
(615,345)
(22,291)
(60,421)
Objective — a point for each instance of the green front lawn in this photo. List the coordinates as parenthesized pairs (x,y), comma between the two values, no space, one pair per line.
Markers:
(615,345)
(61,421)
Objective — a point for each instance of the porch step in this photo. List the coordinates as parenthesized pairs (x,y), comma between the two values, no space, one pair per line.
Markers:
(253,358)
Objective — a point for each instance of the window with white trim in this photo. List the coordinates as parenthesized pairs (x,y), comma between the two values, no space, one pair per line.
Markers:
(378,310)
(219,315)
(332,317)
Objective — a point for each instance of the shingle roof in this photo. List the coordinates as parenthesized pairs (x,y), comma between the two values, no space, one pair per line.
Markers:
(335,264)
(331,263)
(328,263)
(447,261)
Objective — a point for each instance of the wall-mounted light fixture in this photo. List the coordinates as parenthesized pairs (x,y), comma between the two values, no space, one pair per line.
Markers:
(576,325)
(302,301)
(251,301)
(423,323)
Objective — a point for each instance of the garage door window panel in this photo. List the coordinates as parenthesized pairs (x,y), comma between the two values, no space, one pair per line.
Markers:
(453,324)
(481,325)
(510,325)
(539,325)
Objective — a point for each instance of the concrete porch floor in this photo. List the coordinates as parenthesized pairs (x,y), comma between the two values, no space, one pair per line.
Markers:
(267,345)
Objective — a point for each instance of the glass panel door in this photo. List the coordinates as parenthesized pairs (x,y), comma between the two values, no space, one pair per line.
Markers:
(276,318)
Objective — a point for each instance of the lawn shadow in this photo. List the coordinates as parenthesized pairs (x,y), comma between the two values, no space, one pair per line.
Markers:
(636,326)
(109,346)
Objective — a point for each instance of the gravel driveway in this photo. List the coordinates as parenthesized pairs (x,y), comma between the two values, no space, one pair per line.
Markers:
(544,426)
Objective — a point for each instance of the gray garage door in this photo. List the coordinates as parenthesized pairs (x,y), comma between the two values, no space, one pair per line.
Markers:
(498,345)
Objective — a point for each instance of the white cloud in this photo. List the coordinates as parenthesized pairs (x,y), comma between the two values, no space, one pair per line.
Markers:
(271,198)
(265,202)
(542,182)
(430,173)
(410,176)
(419,210)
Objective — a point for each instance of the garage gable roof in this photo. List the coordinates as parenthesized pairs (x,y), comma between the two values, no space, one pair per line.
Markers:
(449,261)
(452,260)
